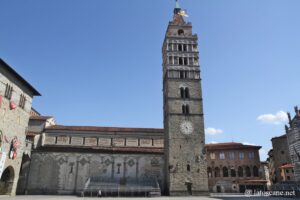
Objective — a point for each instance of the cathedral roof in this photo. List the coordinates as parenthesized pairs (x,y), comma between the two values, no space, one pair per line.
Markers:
(104,129)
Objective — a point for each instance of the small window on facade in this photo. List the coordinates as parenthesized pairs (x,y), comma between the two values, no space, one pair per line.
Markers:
(248,171)
(170,60)
(185,61)
(251,155)
(180,61)
(282,152)
(217,172)
(22,101)
(188,168)
(222,156)
(231,155)
(169,46)
(180,32)
(212,156)
(209,172)
(225,172)
(187,74)
(182,74)
(240,172)
(8,91)
(241,155)
(184,47)
(179,47)
(175,60)
(232,172)
(255,171)
(118,170)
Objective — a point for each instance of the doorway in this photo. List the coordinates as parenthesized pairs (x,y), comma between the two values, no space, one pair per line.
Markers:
(219,189)
(7,180)
(189,188)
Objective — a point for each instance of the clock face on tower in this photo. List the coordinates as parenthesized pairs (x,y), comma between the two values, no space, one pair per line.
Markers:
(186,127)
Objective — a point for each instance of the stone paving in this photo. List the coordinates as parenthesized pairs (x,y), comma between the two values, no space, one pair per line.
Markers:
(29,197)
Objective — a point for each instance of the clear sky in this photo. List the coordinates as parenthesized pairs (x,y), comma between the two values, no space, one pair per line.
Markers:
(99,62)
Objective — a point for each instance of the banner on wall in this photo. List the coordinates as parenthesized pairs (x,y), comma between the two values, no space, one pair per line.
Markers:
(2,162)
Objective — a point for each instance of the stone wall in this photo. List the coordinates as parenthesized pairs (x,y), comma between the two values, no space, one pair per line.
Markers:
(281,154)
(67,173)
(13,123)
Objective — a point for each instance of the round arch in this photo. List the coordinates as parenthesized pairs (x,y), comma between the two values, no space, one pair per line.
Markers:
(7,180)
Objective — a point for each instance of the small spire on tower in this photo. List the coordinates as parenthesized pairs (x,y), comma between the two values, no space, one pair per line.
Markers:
(177,4)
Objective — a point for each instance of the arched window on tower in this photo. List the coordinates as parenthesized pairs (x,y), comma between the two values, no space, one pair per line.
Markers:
(187,93)
(182,93)
(185,109)
(180,32)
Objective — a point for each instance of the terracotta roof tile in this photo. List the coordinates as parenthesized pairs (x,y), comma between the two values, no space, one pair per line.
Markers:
(43,118)
(229,145)
(31,133)
(287,166)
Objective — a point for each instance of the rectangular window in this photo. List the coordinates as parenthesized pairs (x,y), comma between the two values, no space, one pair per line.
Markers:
(212,156)
(8,91)
(22,101)
(222,156)
(241,155)
(231,155)
(169,46)
(251,155)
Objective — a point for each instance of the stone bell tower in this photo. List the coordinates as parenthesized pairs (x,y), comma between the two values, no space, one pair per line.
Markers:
(186,169)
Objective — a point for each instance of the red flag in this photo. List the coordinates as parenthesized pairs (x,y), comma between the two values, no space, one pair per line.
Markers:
(12,105)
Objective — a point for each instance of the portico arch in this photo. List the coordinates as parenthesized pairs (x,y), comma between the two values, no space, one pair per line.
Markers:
(7,180)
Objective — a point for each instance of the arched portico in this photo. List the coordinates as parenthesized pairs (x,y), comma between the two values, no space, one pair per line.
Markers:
(7,180)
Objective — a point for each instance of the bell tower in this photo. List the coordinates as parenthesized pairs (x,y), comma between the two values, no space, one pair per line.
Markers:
(186,169)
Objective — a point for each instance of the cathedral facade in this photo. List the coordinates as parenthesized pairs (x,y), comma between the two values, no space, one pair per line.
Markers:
(130,161)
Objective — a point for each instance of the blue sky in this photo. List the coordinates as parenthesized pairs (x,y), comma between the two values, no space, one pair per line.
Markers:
(98,62)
